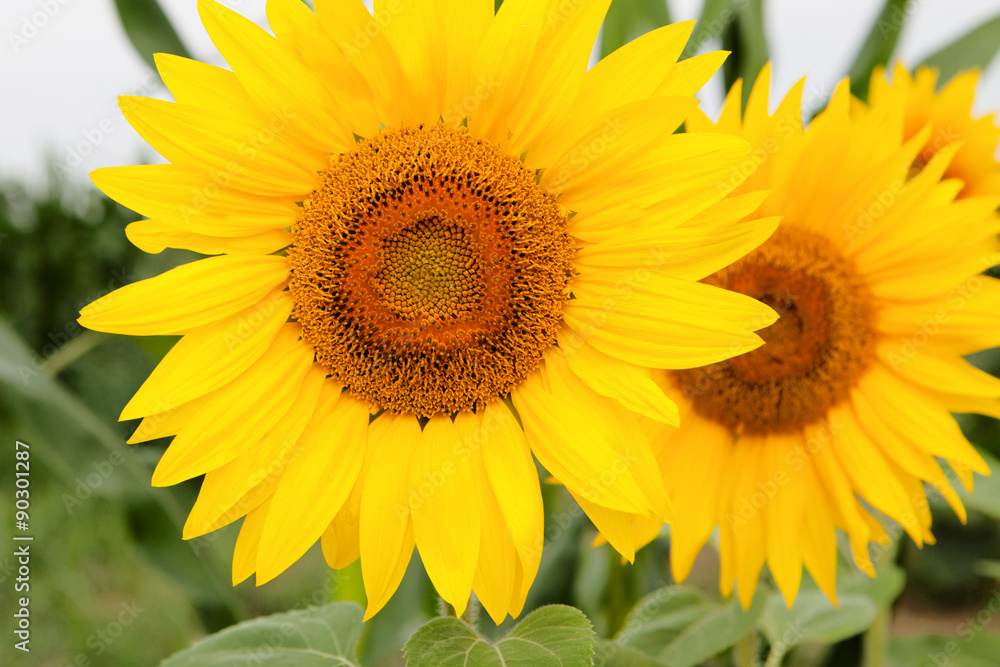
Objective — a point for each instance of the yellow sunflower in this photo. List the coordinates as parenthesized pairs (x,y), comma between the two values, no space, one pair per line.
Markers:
(441,244)
(949,113)
(843,415)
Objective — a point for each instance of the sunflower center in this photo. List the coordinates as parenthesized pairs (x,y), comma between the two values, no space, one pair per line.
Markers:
(429,271)
(812,356)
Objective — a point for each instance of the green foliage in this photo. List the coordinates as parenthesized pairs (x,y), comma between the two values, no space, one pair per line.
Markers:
(318,636)
(878,46)
(973,647)
(45,275)
(149,29)
(716,15)
(747,40)
(985,497)
(628,19)
(679,626)
(973,50)
(814,619)
(882,589)
(554,636)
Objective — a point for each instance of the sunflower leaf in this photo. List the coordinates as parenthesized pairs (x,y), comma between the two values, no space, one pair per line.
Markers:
(611,654)
(149,29)
(813,618)
(715,16)
(89,459)
(973,647)
(679,626)
(317,636)
(748,42)
(974,49)
(554,636)
(628,19)
(878,46)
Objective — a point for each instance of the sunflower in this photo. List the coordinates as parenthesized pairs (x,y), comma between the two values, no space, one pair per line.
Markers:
(439,244)
(949,113)
(843,415)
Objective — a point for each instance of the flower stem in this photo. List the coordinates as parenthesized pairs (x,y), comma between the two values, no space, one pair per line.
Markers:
(745,651)
(776,655)
(73,350)
(875,640)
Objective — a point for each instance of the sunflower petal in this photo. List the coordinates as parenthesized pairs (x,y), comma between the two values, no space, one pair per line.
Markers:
(446,519)
(238,415)
(316,483)
(211,356)
(386,530)
(190,296)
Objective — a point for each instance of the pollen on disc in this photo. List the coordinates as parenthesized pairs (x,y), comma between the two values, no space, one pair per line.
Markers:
(429,271)
(821,345)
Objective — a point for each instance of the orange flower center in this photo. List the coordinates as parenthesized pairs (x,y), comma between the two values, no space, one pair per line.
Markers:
(812,356)
(429,271)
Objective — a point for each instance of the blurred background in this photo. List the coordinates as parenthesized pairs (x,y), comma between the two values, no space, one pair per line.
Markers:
(112,582)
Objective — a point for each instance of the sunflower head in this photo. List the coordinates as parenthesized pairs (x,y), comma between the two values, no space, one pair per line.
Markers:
(842,417)
(947,109)
(441,244)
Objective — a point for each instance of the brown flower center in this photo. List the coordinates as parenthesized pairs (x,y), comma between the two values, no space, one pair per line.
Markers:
(813,355)
(429,271)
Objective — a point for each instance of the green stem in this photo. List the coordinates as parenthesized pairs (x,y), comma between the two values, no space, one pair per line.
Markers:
(776,655)
(875,640)
(745,651)
(621,592)
(471,615)
(73,350)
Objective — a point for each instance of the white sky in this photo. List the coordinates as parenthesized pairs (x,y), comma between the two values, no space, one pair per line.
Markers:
(60,86)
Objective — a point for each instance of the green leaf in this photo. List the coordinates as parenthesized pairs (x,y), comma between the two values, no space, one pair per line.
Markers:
(713,633)
(985,496)
(325,636)
(91,459)
(748,42)
(975,49)
(988,568)
(883,589)
(661,616)
(628,19)
(973,647)
(610,654)
(679,626)
(878,46)
(716,15)
(813,618)
(149,29)
(554,636)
